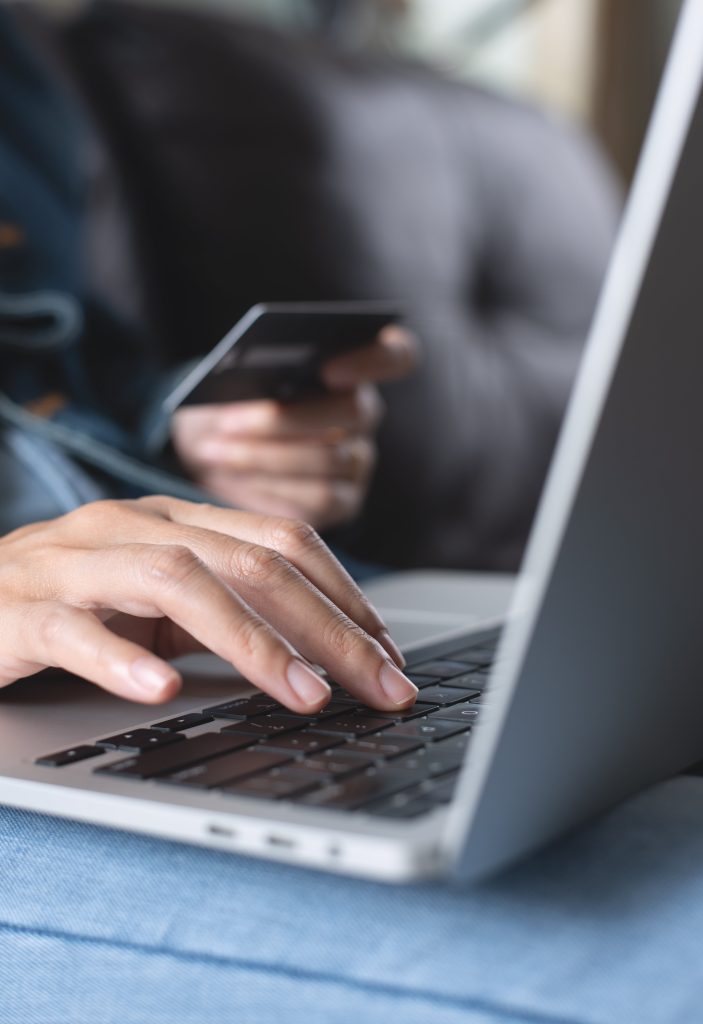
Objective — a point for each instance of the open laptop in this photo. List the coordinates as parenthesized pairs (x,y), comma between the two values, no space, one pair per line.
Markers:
(592,690)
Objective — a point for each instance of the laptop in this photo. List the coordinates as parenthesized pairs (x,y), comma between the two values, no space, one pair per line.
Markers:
(588,691)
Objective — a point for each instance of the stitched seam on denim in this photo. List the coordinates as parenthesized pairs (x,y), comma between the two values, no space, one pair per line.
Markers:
(528,1016)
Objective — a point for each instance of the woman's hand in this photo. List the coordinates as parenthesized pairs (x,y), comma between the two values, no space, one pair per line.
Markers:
(114,589)
(310,460)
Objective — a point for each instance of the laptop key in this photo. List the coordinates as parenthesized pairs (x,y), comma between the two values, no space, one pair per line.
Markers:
(420,680)
(383,745)
(221,770)
(430,762)
(468,713)
(303,742)
(429,729)
(175,756)
(352,793)
(457,744)
(472,681)
(345,699)
(445,668)
(139,740)
(418,799)
(357,723)
(244,707)
(401,807)
(69,756)
(337,762)
(418,710)
(482,654)
(268,725)
(445,696)
(334,707)
(189,721)
(274,785)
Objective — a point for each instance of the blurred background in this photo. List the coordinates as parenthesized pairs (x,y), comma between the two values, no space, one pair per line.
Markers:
(598,61)
(439,152)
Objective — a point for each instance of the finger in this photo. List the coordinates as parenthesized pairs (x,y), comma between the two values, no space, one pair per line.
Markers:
(150,580)
(349,459)
(321,503)
(62,636)
(394,354)
(357,412)
(302,547)
(291,604)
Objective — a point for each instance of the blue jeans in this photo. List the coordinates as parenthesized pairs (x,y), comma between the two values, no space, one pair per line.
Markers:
(99,927)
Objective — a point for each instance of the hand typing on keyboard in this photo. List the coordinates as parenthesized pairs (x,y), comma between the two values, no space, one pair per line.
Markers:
(114,589)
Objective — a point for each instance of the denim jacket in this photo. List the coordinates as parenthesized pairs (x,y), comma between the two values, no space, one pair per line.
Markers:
(74,380)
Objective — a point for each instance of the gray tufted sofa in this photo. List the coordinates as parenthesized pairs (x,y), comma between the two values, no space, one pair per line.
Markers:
(247,165)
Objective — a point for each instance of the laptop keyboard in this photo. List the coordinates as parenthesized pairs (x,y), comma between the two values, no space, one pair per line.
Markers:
(348,757)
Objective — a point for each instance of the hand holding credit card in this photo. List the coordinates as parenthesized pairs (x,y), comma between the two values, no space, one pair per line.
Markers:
(281,417)
(277,349)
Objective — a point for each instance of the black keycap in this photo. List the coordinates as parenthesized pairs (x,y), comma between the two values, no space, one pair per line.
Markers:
(354,792)
(421,680)
(383,745)
(440,791)
(444,668)
(303,742)
(471,680)
(334,707)
(184,722)
(346,699)
(337,762)
(69,756)
(219,771)
(139,740)
(244,707)
(410,803)
(429,762)
(357,723)
(418,710)
(457,744)
(445,696)
(176,756)
(274,785)
(268,725)
(483,700)
(484,655)
(429,729)
(401,806)
(467,713)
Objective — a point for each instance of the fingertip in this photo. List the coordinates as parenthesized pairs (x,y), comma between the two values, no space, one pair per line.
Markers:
(153,681)
(309,689)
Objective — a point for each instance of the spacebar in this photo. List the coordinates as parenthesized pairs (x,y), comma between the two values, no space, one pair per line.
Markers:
(158,762)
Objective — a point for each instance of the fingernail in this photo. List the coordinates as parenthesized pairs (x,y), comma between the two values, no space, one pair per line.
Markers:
(387,641)
(397,688)
(307,684)
(151,676)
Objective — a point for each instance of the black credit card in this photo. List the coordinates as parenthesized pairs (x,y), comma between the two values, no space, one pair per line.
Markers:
(276,351)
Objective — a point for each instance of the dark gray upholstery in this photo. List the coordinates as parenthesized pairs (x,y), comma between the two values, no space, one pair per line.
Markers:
(261,166)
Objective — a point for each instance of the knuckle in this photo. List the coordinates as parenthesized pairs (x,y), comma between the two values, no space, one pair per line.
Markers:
(94,513)
(343,637)
(293,535)
(171,564)
(252,638)
(52,625)
(259,565)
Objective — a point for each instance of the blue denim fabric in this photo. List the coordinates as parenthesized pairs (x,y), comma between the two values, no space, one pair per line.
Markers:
(99,926)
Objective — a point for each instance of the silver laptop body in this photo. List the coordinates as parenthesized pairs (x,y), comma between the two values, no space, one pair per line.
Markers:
(597,689)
